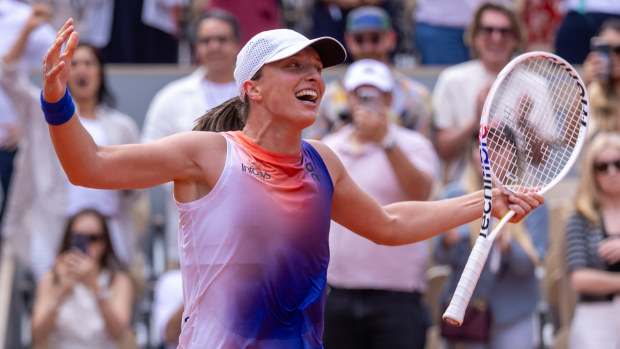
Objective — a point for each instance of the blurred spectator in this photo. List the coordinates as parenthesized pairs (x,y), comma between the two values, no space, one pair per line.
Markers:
(440,29)
(582,20)
(168,308)
(254,16)
(93,18)
(42,197)
(593,246)
(376,302)
(601,73)
(13,17)
(370,36)
(176,107)
(507,285)
(85,299)
(329,17)
(494,36)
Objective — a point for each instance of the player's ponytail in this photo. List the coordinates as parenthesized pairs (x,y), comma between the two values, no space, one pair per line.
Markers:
(228,116)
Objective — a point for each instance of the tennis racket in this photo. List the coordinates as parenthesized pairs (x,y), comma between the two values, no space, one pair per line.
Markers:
(533,125)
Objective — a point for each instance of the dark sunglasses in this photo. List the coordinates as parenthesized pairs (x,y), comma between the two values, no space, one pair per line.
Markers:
(221,39)
(372,38)
(488,30)
(87,237)
(604,166)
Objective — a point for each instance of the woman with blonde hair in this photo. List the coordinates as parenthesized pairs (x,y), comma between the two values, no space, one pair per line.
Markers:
(508,285)
(593,246)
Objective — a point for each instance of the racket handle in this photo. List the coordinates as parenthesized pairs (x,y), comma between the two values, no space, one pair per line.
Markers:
(478,256)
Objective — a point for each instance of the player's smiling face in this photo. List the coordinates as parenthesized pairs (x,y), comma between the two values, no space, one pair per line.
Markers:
(293,87)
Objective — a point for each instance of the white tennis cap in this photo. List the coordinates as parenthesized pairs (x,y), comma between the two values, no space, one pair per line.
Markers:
(368,72)
(274,45)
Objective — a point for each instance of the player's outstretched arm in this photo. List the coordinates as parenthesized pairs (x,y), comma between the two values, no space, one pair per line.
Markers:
(411,221)
(129,166)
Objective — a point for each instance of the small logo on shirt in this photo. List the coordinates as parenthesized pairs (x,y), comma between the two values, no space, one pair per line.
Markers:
(251,170)
(310,169)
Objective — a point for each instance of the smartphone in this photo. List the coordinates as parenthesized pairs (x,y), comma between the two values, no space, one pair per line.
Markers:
(79,242)
(604,50)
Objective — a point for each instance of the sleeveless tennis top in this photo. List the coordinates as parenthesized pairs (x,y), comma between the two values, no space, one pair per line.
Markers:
(254,251)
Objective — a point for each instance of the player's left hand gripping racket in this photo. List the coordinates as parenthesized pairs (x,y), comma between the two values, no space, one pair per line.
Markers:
(533,125)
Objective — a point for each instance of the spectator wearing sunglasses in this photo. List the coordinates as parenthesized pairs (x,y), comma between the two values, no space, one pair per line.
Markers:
(601,73)
(494,36)
(593,246)
(85,300)
(440,27)
(370,35)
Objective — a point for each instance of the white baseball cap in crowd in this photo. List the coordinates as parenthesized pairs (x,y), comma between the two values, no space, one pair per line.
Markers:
(368,72)
(274,45)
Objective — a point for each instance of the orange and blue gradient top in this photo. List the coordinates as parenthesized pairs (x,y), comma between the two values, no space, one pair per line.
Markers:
(254,251)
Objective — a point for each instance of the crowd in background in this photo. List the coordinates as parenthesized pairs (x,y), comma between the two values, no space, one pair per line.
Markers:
(402,140)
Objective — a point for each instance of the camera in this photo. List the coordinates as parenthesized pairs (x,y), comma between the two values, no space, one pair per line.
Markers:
(604,50)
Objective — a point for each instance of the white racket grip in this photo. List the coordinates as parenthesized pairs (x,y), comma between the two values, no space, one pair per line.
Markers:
(478,256)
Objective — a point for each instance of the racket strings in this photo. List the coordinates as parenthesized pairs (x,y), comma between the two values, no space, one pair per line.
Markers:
(534,124)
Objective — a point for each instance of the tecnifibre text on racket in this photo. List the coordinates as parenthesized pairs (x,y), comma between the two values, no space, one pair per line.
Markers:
(533,125)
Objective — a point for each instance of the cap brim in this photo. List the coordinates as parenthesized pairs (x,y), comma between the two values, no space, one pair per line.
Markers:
(329,49)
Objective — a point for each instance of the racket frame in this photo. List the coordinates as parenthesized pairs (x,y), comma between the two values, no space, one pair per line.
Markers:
(456,310)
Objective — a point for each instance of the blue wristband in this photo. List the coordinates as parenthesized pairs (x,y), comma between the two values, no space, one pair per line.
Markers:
(60,112)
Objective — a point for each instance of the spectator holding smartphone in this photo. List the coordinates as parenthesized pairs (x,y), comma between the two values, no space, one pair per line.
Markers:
(601,73)
(85,300)
(392,163)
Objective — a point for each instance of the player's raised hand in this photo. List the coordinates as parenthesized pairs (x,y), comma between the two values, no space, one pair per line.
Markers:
(56,63)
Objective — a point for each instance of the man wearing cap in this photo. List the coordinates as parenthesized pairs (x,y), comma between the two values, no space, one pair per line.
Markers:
(369,35)
(391,163)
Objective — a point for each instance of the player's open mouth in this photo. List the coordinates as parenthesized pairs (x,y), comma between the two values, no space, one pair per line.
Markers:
(307,95)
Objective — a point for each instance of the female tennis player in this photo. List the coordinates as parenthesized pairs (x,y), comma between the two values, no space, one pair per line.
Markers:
(255,203)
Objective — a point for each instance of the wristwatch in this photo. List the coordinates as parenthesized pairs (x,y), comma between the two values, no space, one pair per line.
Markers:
(388,142)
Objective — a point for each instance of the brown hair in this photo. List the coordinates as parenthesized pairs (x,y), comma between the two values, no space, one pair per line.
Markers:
(518,29)
(228,116)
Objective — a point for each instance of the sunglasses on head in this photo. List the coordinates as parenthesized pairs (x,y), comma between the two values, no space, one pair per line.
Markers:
(489,30)
(604,166)
(373,38)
